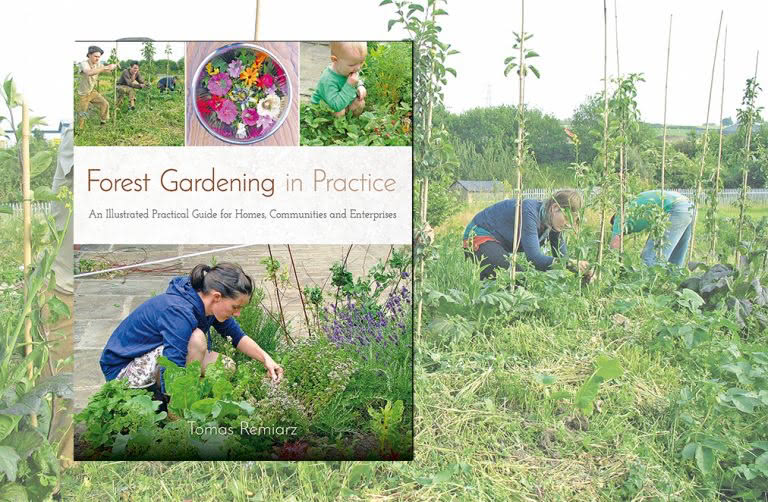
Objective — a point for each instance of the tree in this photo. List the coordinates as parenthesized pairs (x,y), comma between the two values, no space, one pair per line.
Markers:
(727,121)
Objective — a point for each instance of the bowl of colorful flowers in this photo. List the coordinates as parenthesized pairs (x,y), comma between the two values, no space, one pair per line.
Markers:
(242,93)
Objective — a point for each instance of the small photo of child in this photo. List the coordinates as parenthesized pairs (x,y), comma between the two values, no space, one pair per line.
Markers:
(340,85)
(356,93)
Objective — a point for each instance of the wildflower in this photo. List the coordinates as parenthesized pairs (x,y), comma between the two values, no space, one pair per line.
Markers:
(227,112)
(235,68)
(250,116)
(250,75)
(266,80)
(211,70)
(269,106)
(204,106)
(264,122)
(219,84)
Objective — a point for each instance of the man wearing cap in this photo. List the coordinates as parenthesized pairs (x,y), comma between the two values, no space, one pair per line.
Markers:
(89,76)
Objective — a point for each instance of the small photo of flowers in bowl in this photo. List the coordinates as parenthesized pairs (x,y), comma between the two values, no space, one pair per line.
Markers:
(241,93)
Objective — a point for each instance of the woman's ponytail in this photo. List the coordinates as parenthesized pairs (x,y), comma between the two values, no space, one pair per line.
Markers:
(229,279)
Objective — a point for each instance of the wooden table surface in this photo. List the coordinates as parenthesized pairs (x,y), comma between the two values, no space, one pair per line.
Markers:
(286,135)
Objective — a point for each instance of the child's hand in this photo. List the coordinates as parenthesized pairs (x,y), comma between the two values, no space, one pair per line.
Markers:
(353,78)
(361,92)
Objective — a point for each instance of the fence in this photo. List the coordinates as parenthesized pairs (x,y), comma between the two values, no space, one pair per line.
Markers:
(727,196)
(37,207)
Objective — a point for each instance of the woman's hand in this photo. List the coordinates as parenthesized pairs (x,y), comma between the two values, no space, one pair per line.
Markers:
(274,370)
(581,266)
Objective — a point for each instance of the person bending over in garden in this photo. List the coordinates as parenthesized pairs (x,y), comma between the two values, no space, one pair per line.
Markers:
(129,81)
(86,90)
(489,237)
(677,235)
(340,86)
(176,325)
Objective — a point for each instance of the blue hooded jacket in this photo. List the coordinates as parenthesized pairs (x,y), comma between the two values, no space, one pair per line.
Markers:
(168,320)
(499,220)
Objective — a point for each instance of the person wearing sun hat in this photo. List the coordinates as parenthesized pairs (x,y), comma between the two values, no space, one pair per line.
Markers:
(86,90)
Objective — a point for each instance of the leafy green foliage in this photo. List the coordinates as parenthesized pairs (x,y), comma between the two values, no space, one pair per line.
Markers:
(388,74)
(386,424)
(117,409)
(378,126)
(315,372)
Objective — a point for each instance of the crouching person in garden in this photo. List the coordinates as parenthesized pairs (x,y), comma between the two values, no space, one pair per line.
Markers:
(677,236)
(130,80)
(490,236)
(176,325)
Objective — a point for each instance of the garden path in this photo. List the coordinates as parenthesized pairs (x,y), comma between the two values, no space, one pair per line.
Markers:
(101,304)
(314,57)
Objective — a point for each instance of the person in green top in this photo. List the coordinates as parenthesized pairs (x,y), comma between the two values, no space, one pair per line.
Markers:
(677,236)
(340,86)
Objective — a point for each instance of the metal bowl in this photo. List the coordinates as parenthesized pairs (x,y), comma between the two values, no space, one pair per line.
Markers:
(225,51)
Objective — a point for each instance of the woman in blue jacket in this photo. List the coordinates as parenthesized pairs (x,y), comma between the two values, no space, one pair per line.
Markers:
(176,325)
(489,237)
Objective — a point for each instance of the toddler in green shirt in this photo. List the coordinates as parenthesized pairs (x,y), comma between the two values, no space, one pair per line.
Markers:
(340,86)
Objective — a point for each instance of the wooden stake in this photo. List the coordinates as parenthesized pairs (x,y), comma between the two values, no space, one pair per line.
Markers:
(716,187)
(744,186)
(706,140)
(616,30)
(520,150)
(256,23)
(664,137)
(605,137)
(27,207)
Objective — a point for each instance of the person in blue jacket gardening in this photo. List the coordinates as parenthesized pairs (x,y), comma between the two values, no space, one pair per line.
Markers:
(176,325)
(677,235)
(489,237)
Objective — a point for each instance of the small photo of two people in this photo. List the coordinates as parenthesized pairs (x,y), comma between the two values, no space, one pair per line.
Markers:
(356,93)
(129,93)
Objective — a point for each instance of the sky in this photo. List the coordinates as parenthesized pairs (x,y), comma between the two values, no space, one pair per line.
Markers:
(568,35)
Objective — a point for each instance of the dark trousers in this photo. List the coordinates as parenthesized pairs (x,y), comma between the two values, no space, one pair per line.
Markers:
(491,256)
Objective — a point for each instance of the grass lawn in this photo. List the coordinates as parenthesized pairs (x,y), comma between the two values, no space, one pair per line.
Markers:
(158,119)
(489,425)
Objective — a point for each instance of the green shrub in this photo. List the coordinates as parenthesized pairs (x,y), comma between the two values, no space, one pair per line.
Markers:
(387,74)
(315,371)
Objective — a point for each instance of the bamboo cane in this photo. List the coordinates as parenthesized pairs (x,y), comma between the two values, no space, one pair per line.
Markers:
(27,207)
(664,137)
(520,136)
(605,136)
(298,286)
(747,146)
(256,23)
(716,187)
(706,140)
(622,159)
(424,189)
(277,292)
(117,68)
